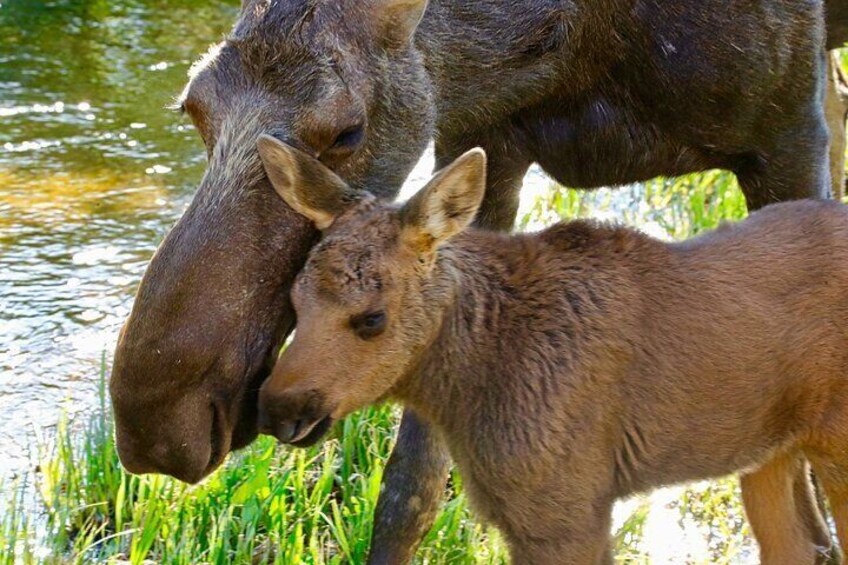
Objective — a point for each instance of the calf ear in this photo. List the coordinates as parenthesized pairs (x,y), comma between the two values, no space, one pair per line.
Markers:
(398,19)
(447,204)
(306,185)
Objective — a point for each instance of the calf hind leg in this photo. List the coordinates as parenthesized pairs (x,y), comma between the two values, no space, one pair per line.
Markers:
(808,503)
(783,516)
(834,478)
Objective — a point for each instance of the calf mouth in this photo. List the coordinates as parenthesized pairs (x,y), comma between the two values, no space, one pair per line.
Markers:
(308,433)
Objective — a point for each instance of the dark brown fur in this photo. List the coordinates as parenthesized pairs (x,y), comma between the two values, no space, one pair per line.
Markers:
(572,367)
(601,92)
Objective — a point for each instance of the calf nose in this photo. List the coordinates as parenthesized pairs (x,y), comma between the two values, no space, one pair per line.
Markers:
(273,420)
(283,430)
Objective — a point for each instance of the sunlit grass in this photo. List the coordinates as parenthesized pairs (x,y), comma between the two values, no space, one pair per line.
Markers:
(269,504)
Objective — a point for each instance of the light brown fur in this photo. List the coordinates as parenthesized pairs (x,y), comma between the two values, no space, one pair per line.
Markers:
(571,367)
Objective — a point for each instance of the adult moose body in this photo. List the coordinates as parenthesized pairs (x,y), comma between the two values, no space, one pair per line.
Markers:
(598,93)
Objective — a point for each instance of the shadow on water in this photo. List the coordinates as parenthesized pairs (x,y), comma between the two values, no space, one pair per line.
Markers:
(93,171)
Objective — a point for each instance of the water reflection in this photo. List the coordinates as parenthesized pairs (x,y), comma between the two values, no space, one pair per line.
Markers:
(93,170)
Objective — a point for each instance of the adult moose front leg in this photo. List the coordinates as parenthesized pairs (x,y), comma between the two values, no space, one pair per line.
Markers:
(412,489)
(795,162)
(417,470)
(507,164)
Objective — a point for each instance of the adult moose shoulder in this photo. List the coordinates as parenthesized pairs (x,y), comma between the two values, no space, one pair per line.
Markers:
(598,93)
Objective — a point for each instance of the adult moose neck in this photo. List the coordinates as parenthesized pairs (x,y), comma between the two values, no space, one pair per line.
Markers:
(473,49)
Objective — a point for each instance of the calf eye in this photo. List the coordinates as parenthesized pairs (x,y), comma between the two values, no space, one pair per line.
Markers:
(369,324)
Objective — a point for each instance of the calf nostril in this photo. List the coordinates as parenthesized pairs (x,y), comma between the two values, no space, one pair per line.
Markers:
(286,430)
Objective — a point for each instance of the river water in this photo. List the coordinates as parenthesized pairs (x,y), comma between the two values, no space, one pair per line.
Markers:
(93,171)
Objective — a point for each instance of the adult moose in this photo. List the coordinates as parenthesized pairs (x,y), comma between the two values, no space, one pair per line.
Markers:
(598,93)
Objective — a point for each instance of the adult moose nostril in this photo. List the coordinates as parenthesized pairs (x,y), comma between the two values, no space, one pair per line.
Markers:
(217,437)
(263,421)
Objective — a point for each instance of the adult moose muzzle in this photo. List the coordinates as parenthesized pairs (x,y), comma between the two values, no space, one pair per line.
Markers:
(197,345)
(213,305)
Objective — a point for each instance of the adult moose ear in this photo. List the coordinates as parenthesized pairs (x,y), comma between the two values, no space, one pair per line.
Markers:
(398,19)
(447,204)
(305,184)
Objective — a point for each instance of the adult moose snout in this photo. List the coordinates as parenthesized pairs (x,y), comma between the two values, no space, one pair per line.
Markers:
(189,440)
(203,334)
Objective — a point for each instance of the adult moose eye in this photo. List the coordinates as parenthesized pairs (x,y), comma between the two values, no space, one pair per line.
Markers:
(369,325)
(349,138)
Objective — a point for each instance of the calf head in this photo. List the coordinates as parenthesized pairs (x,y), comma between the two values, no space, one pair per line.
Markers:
(366,301)
(343,82)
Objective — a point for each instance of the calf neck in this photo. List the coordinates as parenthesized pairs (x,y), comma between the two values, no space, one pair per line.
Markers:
(571,367)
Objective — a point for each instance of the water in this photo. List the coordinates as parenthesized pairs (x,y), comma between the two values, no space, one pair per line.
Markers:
(93,171)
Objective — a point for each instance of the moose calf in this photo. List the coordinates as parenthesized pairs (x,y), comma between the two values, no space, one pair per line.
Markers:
(580,364)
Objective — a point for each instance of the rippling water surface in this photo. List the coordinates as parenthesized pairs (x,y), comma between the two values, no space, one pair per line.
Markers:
(93,171)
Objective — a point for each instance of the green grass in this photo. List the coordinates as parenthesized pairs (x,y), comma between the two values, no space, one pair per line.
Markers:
(269,504)
(278,505)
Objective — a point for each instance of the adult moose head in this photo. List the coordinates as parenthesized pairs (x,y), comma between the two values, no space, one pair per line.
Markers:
(597,93)
(213,306)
